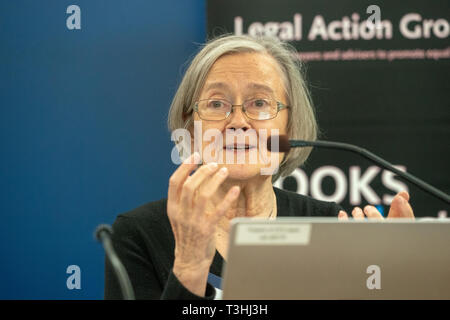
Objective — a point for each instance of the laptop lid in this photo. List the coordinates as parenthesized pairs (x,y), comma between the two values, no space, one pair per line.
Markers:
(323,258)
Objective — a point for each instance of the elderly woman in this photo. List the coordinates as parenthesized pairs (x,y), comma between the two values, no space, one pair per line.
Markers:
(235,84)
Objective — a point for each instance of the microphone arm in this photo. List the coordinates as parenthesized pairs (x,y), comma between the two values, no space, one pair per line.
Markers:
(103,234)
(381,162)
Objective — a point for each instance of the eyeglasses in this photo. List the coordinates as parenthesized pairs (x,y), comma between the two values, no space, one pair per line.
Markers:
(255,109)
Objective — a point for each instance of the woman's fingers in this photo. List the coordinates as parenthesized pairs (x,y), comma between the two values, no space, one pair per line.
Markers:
(342,215)
(372,213)
(210,187)
(180,175)
(357,213)
(400,208)
(193,182)
(223,207)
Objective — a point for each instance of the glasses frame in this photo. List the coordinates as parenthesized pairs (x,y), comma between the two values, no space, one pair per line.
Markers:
(280,106)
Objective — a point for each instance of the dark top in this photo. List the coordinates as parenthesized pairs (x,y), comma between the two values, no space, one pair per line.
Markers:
(144,241)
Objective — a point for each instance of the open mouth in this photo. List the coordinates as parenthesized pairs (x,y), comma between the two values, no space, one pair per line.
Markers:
(239,147)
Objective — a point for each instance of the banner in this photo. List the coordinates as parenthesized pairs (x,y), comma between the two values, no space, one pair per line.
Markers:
(379,78)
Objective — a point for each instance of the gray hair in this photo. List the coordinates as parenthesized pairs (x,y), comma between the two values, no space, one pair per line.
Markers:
(301,120)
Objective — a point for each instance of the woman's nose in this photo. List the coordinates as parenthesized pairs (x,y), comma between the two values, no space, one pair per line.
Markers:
(237,119)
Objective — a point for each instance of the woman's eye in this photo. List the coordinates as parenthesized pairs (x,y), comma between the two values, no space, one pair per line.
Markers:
(259,103)
(216,104)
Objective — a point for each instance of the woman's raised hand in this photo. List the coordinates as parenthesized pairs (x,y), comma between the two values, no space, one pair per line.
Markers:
(193,227)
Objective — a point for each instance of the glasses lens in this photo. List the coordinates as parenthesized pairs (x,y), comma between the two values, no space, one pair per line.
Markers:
(214,109)
(256,109)
(261,109)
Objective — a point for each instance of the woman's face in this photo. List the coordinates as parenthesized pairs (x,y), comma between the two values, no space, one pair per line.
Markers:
(237,78)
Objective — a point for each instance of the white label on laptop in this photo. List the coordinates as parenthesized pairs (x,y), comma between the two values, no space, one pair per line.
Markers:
(273,234)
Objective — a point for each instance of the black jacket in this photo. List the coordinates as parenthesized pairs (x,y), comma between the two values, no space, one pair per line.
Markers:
(144,241)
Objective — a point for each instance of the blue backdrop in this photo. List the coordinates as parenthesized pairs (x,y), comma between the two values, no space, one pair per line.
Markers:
(83,130)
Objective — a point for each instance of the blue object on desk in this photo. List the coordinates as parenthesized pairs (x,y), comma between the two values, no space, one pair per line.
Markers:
(214,280)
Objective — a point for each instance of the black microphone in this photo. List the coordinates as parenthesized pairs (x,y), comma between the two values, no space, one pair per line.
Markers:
(103,234)
(284,145)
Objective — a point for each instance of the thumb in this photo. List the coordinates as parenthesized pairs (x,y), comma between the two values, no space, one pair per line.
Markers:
(400,207)
(404,195)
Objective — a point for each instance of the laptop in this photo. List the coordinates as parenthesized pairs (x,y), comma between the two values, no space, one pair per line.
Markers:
(323,258)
